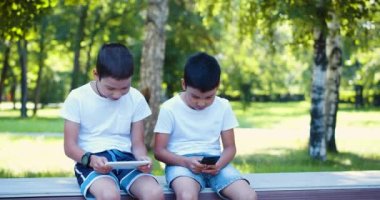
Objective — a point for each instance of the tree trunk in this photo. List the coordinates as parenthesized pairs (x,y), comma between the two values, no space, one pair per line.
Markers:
(94,31)
(152,61)
(334,52)
(41,58)
(359,100)
(76,74)
(5,69)
(22,51)
(13,86)
(317,142)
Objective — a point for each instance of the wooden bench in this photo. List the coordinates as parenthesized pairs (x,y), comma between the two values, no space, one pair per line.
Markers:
(363,185)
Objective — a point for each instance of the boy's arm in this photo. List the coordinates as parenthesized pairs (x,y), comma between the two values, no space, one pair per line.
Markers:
(138,146)
(162,154)
(228,154)
(73,151)
(229,147)
(137,139)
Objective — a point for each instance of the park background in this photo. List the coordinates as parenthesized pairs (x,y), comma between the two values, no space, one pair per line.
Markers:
(296,73)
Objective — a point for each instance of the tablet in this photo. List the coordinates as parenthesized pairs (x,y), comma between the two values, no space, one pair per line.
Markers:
(127,164)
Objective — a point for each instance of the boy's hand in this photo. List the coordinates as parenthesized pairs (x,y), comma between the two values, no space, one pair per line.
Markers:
(145,168)
(99,164)
(194,165)
(211,169)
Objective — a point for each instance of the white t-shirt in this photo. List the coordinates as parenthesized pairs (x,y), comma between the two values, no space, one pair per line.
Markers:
(195,131)
(104,123)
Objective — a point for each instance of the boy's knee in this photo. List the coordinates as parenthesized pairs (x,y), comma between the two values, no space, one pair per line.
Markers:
(156,193)
(153,193)
(249,195)
(108,195)
(253,195)
(185,195)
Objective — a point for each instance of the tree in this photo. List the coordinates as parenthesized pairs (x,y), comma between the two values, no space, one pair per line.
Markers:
(41,59)
(5,69)
(334,68)
(152,60)
(79,36)
(17,17)
(22,46)
(306,17)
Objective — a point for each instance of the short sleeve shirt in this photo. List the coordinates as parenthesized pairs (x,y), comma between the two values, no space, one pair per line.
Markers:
(104,123)
(195,131)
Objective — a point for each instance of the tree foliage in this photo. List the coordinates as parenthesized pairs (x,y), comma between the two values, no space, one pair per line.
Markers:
(264,47)
(16,17)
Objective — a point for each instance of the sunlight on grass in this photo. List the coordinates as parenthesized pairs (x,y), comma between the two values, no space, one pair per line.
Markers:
(33,154)
(272,137)
(268,115)
(37,156)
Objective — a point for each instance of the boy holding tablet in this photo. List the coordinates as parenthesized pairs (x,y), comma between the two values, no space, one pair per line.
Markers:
(190,126)
(104,122)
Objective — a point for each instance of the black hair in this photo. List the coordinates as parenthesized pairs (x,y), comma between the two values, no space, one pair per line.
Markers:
(202,72)
(114,60)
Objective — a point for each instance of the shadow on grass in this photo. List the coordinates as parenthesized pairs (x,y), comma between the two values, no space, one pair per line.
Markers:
(31,124)
(290,160)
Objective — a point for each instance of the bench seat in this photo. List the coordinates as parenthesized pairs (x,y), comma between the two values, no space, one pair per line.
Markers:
(364,185)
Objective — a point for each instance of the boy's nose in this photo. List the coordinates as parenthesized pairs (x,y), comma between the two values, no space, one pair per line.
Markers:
(201,103)
(116,95)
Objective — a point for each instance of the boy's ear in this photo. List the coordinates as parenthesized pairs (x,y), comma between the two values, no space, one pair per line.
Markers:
(96,75)
(183,84)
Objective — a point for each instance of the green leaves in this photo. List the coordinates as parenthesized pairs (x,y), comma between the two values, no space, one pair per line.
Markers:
(17,17)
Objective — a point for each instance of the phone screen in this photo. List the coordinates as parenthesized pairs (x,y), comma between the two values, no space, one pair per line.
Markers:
(210,160)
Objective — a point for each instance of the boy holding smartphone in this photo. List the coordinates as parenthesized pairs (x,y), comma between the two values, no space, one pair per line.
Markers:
(190,126)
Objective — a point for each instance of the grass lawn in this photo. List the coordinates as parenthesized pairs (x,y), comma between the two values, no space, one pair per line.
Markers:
(272,138)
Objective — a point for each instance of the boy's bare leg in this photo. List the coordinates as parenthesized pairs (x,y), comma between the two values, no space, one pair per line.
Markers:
(239,190)
(186,188)
(147,188)
(105,188)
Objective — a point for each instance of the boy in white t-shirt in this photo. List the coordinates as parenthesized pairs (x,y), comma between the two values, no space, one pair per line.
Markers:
(104,122)
(190,126)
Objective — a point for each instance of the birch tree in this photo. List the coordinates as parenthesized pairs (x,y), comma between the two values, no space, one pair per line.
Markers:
(317,142)
(334,68)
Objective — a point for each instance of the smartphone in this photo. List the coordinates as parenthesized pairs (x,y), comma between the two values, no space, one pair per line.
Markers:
(210,160)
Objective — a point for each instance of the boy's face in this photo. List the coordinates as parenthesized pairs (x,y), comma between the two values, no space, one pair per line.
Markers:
(198,100)
(112,88)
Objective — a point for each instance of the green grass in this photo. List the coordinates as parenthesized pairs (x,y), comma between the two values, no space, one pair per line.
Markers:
(258,115)
(47,120)
(267,115)
(295,160)
(40,153)
(30,125)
